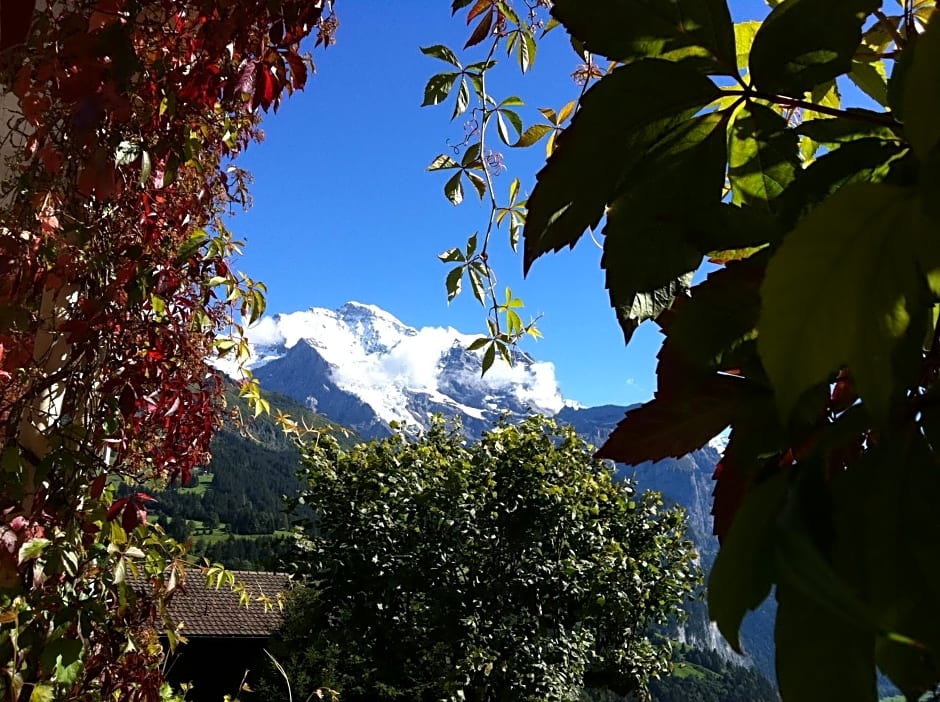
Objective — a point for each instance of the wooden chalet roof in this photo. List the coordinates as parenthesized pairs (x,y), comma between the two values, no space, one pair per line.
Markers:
(207,611)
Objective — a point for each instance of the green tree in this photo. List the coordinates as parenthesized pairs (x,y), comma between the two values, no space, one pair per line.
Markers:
(814,337)
(510,568)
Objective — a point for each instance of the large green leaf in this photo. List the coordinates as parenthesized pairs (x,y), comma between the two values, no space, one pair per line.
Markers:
(865,160)
(621,117)
(744,571)
(763,155)
(841,290)
(720,316)
(645,249)
(803,43)
(627,30)
(820,656)
(724,226)
(922,92)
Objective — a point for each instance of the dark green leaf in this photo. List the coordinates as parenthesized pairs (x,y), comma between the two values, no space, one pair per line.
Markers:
(453,189)
(438,88)
(489,356)
(842,130)
(442,162)
(803,43)
(606,138)
(816,648)
(463,98)
(478,344)
(744,571)
(63,658)
(645,250)
(763,155)
(720,315)
(870,80)
(626,30)
(471,245)
(441,52)
(192,245)
(453,282)
(841,291)
(860,161)
(922,92)
(724,227)
(478,183)
(477,277)
(451,256)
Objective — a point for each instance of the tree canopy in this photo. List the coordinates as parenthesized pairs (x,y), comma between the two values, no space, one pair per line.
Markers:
(699,144)
(509,568)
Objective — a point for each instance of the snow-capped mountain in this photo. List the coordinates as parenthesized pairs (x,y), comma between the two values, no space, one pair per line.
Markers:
(362,367)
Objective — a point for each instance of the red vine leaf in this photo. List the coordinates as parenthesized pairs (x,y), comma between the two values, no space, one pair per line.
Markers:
(672,426)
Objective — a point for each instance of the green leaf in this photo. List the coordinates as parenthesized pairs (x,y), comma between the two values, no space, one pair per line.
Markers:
(439,51)
(63,657)
(871,79)
(533,135)
(32,549)
(607,137)
(42,693)
(922,92)
(453,282)
(463,98)
(145,168)
(744,33)
(645,249)
(725,227)
(842,130)
(478,183)
(841,290)
(627,30)
(453,189)
(443,162)
(816,647)
(195,242)
(763,155)
(489,356)
(451,256)
(860,161)
(744,570)
(477,275)
(718,318)
(438,88)
(803,43)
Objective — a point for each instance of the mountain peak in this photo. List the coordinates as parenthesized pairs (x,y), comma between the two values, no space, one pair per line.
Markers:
(404,374)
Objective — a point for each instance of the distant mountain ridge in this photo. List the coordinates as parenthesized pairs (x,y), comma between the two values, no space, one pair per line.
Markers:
(363,368)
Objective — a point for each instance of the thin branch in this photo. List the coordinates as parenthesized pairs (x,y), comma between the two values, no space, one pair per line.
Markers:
(785,101)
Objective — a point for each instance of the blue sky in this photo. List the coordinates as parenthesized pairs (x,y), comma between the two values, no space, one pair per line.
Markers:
(345,210)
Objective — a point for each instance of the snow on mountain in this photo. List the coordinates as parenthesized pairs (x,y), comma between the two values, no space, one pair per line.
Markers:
(402,373)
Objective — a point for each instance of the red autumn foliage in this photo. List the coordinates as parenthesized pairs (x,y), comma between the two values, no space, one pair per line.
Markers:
(114,284)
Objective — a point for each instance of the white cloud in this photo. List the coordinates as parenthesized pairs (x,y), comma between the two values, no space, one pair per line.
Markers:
(265,332)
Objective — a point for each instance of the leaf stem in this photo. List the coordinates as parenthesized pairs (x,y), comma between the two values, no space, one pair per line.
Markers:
(891,29)
(785,101)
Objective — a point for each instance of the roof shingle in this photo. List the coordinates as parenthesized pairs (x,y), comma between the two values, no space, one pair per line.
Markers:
(207,611)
